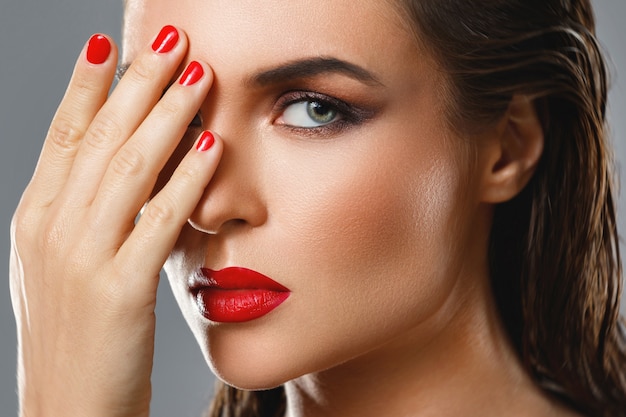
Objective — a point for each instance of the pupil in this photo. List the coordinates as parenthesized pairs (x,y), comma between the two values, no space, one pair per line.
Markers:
(320,112)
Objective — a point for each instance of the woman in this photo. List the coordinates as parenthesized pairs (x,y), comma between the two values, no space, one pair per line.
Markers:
(401,208)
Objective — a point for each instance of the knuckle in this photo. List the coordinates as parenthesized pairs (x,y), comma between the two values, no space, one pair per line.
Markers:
(186,174)
(142,71)
(170,109)
(63,135)
(128,162)
(160,212)
(84,86)
(102,132)
(22,226)
(26,222)
(53,237)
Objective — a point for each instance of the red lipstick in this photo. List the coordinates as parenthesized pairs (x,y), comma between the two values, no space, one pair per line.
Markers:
(235,295)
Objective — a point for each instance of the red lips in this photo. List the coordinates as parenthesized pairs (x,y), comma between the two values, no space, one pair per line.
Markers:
(234,295)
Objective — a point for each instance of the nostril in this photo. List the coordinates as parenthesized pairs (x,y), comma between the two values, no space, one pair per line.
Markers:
(228,226)
(233,224)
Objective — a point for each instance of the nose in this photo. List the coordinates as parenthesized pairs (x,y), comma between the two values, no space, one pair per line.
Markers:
(233,198)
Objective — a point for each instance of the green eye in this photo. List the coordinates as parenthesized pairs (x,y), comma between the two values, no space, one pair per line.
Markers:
(309,114)
(321,113)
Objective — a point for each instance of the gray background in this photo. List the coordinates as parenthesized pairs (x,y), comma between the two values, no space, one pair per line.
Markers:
(39,41)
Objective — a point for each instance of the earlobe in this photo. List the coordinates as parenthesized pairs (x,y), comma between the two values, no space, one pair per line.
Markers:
(514,152)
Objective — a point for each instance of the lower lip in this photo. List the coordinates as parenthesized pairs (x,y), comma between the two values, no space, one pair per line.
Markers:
(236,306)
(236,294)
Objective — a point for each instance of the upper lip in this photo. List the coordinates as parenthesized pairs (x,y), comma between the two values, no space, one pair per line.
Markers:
(234,278)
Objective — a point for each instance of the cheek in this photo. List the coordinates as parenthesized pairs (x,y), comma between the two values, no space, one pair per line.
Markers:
(372,240)
(386,229)
(370,206)
(365,237)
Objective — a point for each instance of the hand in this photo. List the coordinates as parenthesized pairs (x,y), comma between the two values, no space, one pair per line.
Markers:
(83,275)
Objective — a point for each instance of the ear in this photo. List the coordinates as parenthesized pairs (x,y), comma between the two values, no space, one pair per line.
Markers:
(512,153)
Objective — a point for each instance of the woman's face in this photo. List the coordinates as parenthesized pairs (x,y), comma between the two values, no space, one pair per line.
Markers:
(340,180)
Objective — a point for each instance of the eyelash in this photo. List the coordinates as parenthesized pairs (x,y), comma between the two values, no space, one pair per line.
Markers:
(348,115)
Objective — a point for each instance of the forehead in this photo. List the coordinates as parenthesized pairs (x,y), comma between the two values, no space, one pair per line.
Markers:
(270,30)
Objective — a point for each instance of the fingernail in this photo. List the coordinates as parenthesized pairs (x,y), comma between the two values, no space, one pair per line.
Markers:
(166,40)
(98,49)
(192,74)
(205,142)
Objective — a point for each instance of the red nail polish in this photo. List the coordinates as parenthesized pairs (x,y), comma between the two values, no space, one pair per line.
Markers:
(192,74)
(206,141)
(166,40)
(98,49)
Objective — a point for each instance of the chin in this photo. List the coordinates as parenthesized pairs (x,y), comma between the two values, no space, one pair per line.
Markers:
(249,382)
(251,372)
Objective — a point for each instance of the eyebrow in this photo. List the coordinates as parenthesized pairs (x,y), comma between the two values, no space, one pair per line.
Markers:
(311,67)
(303,68)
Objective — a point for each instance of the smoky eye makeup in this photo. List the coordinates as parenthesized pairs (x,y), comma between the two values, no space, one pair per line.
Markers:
(311,113)
(304,112)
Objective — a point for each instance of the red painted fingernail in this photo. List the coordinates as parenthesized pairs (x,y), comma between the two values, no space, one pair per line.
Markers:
(166,40)
(98,49)
(206,141)
(192,74)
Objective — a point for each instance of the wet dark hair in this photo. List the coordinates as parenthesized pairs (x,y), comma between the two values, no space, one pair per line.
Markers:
(554,254)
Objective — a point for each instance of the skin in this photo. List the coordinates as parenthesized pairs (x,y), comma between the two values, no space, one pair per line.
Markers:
(379,226)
